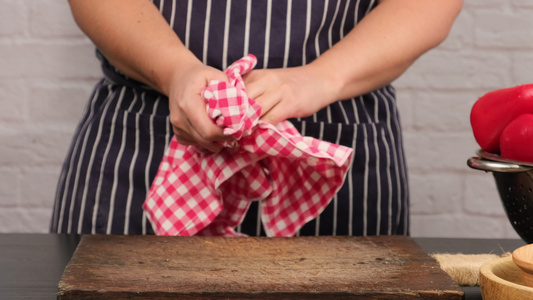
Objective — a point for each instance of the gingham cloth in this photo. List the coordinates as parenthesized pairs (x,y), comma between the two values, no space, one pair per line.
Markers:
(204,193)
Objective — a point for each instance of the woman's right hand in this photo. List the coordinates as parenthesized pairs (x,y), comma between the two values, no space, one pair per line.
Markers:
(188,115)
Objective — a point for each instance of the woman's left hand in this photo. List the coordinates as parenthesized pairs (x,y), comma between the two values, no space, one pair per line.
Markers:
(289,92)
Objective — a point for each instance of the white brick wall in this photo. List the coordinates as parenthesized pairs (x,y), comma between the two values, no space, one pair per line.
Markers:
(490,47)
(48,69)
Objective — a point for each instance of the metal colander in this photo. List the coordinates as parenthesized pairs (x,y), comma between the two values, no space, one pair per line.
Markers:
(514,181)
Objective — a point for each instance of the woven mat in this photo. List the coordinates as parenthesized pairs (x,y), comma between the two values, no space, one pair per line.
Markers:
(464,268)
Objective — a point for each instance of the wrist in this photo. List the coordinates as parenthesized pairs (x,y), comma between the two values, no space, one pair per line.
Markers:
(173,68)
(330,79)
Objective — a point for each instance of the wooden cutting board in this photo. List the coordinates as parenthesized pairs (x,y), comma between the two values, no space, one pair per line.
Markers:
(155,267)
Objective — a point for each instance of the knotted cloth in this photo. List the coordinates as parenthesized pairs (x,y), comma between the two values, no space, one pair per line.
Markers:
(292,176)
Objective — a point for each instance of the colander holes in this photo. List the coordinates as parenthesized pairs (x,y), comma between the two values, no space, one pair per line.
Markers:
(525,207)
(529,190)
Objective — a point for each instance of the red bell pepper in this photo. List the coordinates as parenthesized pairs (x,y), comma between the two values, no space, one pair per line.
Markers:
(516,141)
(495,110)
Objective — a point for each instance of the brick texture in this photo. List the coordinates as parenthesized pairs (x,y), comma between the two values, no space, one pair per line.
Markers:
(49,68)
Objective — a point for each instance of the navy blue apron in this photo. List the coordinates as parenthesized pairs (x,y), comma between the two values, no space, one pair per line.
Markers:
(125,129)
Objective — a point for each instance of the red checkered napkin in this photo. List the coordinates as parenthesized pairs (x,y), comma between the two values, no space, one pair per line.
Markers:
(293,177)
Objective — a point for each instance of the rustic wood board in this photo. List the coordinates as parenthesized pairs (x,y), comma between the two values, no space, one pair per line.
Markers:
(155,267)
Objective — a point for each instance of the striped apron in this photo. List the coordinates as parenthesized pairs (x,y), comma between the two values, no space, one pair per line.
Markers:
(125,128)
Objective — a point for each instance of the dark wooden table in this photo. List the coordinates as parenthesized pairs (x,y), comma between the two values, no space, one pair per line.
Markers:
(32,264)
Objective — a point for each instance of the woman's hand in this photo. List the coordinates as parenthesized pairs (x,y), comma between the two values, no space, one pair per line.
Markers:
(289,93)
(188,116)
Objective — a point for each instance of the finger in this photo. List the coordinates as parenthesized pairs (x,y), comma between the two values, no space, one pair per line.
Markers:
(190,137)
(211,147)
(268,101)
(203,128)
(194,137)
(254,92)
(197,129)
(272,116)
(183,137)
(208,146)
(254,88)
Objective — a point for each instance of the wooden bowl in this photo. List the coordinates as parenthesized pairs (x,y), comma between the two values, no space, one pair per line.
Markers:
(523,258)
(500,279)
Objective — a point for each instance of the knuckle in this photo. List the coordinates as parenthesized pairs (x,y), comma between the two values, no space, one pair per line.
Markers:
(209,135)
(175,120)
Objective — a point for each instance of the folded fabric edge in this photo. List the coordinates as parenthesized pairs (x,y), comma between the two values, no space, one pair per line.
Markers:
(347,156)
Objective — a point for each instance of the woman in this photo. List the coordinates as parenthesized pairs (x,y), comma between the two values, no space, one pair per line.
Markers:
(324,65)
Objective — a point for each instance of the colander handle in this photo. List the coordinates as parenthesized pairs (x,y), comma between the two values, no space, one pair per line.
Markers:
(494,166)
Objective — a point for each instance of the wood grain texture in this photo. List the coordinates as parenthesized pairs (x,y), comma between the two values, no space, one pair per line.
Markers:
(154,267)
(501,280)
